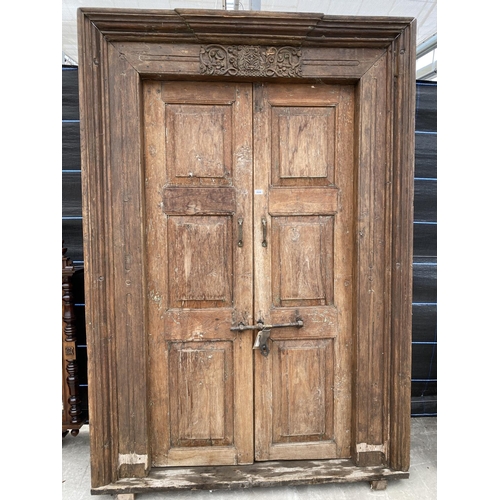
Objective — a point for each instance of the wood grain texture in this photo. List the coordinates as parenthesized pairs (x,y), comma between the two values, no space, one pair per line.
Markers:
(372,268)
(263,474)
(201,394)
(199,280)
(402,247)
(302,383)
(96,241)
(190,201)
(126,187)
(126,289)
(425,167)
(302,201)
(302,261)
(200,263)
(212,26)
(302,258)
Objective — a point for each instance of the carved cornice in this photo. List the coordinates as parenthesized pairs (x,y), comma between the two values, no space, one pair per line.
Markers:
(241,28)
(250,60)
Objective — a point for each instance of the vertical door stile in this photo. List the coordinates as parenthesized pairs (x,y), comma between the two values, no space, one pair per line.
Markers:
(243,280)
(156,272)
(262,266)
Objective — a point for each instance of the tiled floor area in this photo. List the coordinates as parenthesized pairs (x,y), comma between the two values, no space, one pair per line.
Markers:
(422,484)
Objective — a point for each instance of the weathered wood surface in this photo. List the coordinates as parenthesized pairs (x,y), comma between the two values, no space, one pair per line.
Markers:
(132,254)
(424,314)
(266,474)
(304,146)
(96,239)
(209,26)
(200,372)
(199,201)
(372,270)
(401,220)
(184,59)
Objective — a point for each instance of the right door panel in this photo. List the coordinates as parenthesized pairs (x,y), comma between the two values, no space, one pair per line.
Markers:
(303,219)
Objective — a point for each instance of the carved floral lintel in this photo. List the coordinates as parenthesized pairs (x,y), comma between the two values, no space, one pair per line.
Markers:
(250,60)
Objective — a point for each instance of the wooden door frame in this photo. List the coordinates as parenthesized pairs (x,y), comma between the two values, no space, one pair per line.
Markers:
(120,48)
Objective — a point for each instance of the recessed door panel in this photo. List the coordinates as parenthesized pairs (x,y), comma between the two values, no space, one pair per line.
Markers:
(201,388)
(303,391)
(200,279)
(302,261)
(302,145)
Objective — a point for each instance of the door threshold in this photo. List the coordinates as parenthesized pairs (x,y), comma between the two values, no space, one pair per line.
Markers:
(262,474)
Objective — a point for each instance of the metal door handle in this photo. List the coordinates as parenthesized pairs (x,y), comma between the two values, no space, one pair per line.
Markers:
(264,232)
(240,232)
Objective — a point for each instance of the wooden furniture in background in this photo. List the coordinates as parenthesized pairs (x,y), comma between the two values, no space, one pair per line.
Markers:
(71,411)
(244,169)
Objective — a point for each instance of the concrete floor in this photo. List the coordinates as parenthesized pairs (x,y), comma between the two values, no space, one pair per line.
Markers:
(422,484)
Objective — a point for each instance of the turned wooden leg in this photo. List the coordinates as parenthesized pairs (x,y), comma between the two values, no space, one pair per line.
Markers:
(381,484)
(125,496)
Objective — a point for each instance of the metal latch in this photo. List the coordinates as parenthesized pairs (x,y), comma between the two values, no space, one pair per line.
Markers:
(265,332)
(261,341)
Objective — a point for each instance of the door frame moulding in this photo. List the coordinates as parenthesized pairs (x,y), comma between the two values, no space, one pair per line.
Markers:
(118,49)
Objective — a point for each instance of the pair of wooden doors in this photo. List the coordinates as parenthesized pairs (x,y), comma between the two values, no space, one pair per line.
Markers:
(249,224)
(307,124)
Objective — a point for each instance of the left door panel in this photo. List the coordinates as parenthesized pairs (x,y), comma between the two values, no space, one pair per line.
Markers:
(198,190)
